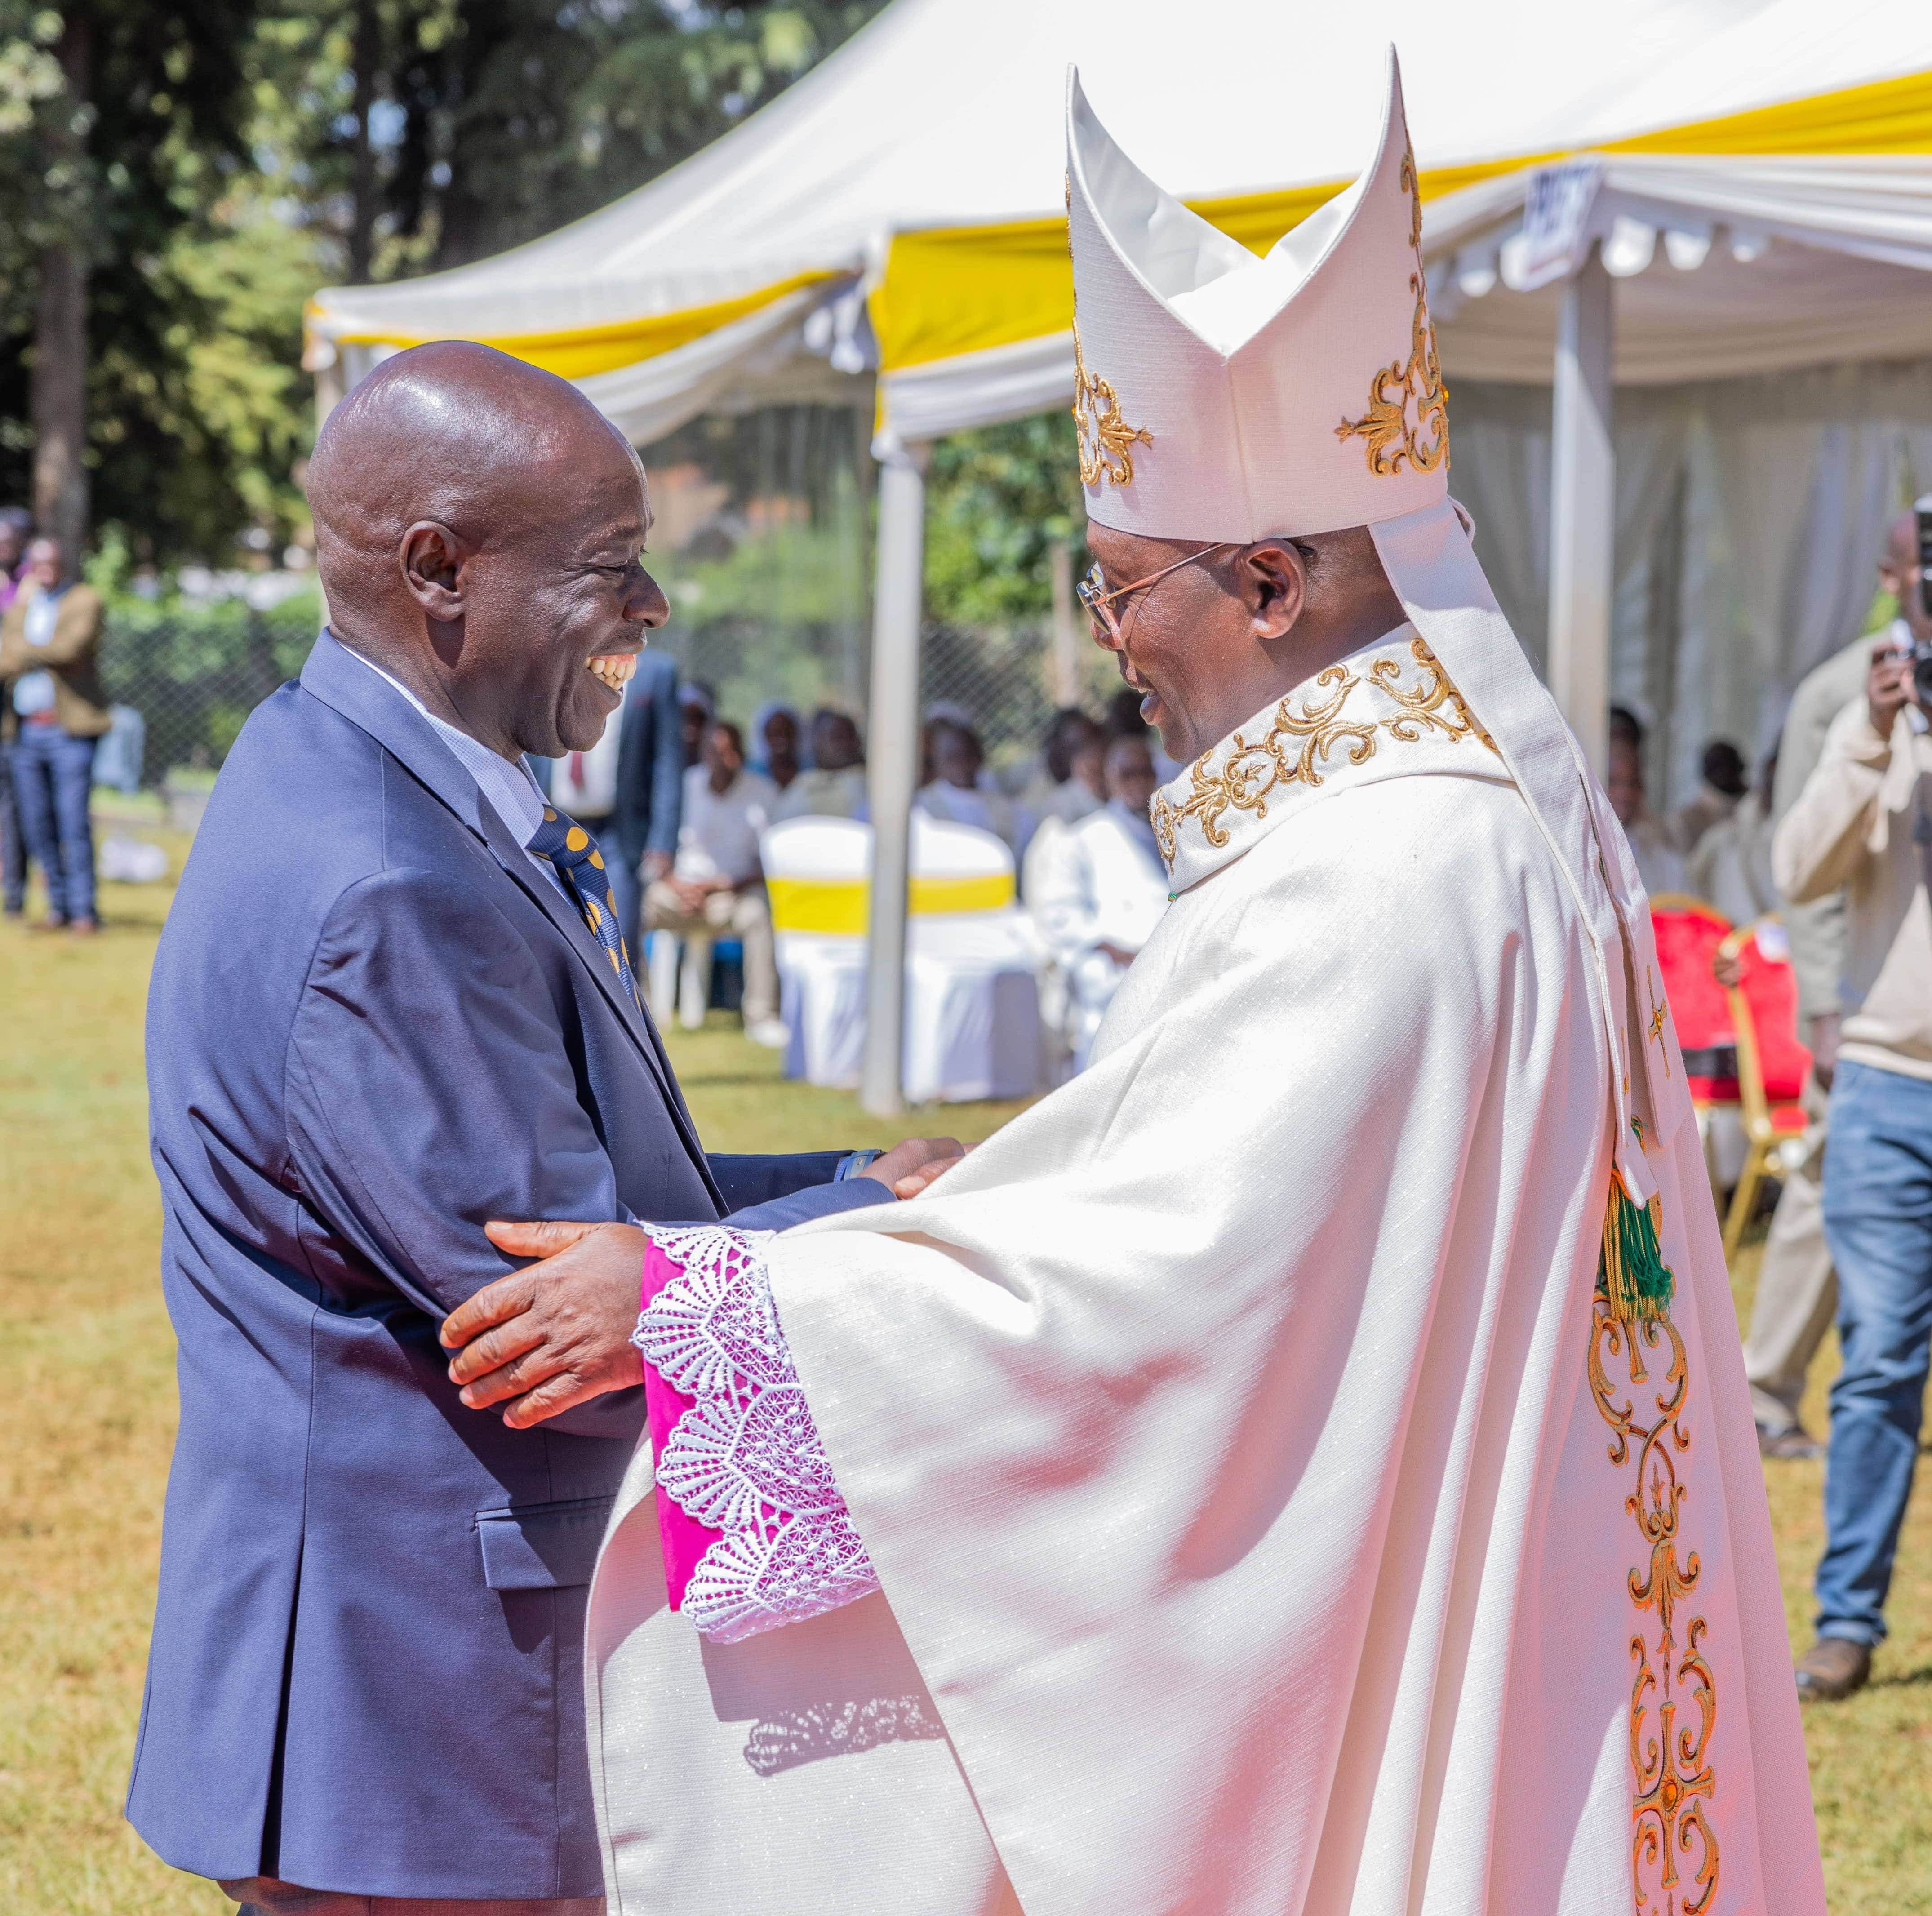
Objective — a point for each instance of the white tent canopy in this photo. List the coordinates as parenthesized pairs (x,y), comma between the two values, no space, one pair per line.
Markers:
(1754,196)
(915,179)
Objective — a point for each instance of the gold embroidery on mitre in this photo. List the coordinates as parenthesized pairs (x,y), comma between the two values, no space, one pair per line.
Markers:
(1106,439)
(1300,744)
(1673,1780)
(1385,428)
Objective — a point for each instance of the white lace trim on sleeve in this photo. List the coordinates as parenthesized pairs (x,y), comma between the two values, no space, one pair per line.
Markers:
(746,1459)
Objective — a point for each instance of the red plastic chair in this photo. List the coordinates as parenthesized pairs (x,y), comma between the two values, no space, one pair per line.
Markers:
(1773,1063)
(1688,934)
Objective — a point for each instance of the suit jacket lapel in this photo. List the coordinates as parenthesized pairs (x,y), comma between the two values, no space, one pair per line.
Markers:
(349,687)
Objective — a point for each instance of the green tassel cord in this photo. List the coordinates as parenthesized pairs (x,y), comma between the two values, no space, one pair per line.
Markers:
(1631,1274)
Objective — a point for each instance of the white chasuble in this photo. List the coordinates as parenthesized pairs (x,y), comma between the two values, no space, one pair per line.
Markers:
(1271,1512)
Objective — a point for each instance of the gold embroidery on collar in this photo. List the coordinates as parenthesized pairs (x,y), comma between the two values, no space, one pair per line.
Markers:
(1672,1778)
(1106,439)
(1385,427)
(1299,743)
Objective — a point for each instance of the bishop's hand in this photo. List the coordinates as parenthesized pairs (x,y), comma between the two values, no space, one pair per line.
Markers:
(556,1333)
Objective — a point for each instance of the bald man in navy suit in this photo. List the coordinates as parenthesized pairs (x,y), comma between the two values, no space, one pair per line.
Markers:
(391,1005)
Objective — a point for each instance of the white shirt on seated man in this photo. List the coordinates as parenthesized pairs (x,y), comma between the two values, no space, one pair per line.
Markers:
(716,888)
(1097,889)
(954,794)
(833,785)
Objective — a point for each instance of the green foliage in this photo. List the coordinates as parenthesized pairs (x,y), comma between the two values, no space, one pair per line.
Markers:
(121,125)
(999,499)
(214,169)
(498,120)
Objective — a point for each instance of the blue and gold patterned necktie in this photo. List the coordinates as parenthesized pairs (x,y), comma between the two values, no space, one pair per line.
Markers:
(580,864)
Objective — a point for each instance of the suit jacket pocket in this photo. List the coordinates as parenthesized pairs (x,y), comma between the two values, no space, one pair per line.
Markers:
(541,1546)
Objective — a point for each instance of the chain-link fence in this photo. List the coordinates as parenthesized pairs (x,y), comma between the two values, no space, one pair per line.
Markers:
(994,676)
(194,676)
(997,676)
(763,543)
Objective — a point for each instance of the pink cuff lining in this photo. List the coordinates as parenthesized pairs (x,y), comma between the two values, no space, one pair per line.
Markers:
(684,1538)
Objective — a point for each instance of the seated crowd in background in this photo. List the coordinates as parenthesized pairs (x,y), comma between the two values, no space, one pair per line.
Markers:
(1075,821)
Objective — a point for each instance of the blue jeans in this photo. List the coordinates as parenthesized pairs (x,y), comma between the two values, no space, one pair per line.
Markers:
(13,847)
(53,775)
(1878,1222)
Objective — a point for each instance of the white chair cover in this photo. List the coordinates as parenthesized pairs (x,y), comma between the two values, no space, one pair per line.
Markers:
(972,1011)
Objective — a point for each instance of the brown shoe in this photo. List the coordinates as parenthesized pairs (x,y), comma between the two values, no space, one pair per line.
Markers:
(1832,1669)
(1794,1444)
(82,927)
(53,922)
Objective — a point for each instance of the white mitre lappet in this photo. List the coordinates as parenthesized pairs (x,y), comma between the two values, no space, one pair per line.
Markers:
(1306,1460)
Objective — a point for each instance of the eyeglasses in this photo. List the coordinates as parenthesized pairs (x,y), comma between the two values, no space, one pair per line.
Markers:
(1096,596)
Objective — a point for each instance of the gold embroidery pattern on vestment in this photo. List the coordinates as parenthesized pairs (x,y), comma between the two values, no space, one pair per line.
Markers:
(1300,744)
(1390,438)
(1660,1011)
(1106,441)
(1673,1779)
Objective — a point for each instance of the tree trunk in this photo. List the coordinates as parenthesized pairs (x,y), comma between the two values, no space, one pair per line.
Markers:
(362,179)
(61,503)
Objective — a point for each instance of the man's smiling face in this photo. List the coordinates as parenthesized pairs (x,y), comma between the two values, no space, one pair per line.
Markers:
(480,527)
(562,605)
(1168,628)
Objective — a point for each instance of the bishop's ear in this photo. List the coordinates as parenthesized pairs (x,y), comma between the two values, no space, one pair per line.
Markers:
(1274,579)
(431,557)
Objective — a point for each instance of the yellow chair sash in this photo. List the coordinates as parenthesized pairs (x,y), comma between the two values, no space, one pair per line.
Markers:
(840,908)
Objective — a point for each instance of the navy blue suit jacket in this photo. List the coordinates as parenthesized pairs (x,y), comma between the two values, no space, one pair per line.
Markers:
(373,1026)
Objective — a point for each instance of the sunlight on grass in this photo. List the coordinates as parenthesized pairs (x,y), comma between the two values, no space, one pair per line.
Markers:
(88,1368)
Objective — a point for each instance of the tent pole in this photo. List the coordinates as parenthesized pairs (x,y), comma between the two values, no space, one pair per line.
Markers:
(892,767)
(1582,509)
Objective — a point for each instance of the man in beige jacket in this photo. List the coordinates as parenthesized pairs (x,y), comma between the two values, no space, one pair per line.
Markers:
(1797,1289)
(50,640)
(1861,824)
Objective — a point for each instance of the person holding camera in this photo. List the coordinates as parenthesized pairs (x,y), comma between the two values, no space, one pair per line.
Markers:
(1862,823)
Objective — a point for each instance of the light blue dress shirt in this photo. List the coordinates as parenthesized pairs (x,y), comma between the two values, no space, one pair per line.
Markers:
(34,692)
(507,783)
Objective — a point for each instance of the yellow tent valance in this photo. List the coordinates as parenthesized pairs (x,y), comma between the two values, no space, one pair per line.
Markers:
(958,289)
(577,354)
(949,291)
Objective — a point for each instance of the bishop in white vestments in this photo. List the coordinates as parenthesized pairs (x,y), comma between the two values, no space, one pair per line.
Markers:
(1304,1464)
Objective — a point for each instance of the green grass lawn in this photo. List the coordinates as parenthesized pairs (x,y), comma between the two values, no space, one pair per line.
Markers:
(87,1365)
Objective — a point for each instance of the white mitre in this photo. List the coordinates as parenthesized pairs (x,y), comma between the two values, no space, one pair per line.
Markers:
(1220,396)
(1224,396)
